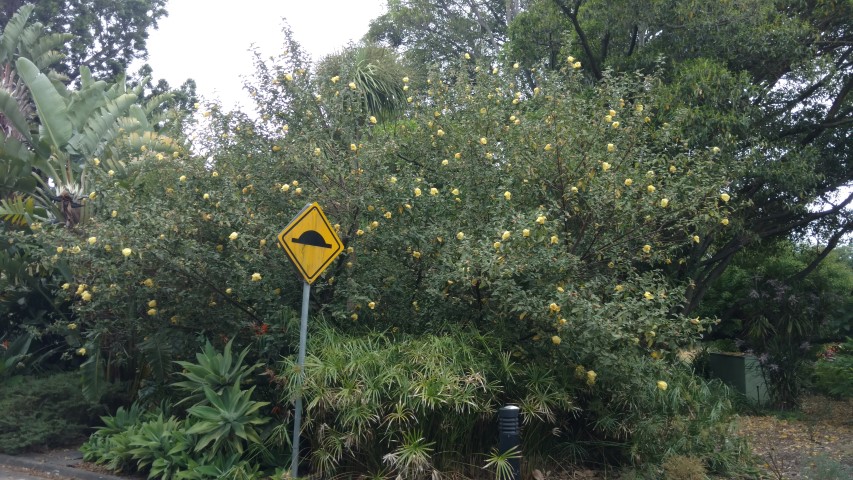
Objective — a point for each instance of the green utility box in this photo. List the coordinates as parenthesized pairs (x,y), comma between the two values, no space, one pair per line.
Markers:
(742,372)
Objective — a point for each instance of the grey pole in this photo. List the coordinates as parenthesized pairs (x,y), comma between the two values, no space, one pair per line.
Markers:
(297,416)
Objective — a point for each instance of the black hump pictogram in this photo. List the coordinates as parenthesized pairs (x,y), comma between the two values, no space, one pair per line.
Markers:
(311,237)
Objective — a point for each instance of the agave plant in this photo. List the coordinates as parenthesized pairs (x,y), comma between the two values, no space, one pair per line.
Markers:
(160,445)
(215,371)
(228,422)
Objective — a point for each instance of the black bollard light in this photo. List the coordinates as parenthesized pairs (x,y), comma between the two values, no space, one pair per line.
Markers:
(509,437)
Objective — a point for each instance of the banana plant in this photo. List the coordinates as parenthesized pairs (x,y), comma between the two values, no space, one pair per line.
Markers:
(50,134)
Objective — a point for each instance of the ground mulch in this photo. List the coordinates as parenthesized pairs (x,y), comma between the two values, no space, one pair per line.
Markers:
(814,443)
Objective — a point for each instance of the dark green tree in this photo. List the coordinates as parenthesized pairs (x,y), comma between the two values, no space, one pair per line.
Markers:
(436,32)
(108,34)
(182,99)
(769,82)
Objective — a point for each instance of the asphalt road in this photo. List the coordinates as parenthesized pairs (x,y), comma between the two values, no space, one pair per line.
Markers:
(10,473)
(40,468)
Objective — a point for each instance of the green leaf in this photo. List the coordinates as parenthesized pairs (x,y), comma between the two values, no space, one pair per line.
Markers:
(44,52)
(13,30)
(17,210)
(158,354)
(93,373)
(12,110)
(101,128)
(49,103)
(86,101)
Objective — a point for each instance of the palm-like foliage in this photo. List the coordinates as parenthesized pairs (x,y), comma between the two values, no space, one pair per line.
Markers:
(376,73)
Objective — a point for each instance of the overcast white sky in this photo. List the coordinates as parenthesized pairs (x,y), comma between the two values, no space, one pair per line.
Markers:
(209,40)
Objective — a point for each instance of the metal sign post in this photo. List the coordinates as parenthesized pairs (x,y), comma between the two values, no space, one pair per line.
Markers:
(311,244)
(297,418)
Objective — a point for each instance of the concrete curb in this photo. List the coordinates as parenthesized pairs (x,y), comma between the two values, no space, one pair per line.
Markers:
(50,470)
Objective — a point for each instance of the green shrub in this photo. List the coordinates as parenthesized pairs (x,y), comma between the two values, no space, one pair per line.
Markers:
(776,315)
(110,444)
(833,372)
(214,371)
(44,412)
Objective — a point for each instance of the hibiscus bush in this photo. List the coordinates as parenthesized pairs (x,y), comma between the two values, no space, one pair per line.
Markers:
(528,227)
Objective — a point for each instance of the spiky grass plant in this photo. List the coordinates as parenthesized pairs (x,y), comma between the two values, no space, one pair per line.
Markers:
(408,405)
(414,406)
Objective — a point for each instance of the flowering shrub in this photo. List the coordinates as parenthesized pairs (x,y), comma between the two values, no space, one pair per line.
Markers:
(543,218)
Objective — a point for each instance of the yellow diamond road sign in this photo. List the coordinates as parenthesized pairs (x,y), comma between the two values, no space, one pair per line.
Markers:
(310,242)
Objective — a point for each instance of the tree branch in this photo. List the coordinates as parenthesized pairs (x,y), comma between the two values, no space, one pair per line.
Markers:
(587,48)
(833,242)
(634,33)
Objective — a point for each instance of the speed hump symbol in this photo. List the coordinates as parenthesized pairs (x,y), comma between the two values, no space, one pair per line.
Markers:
(310,242)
